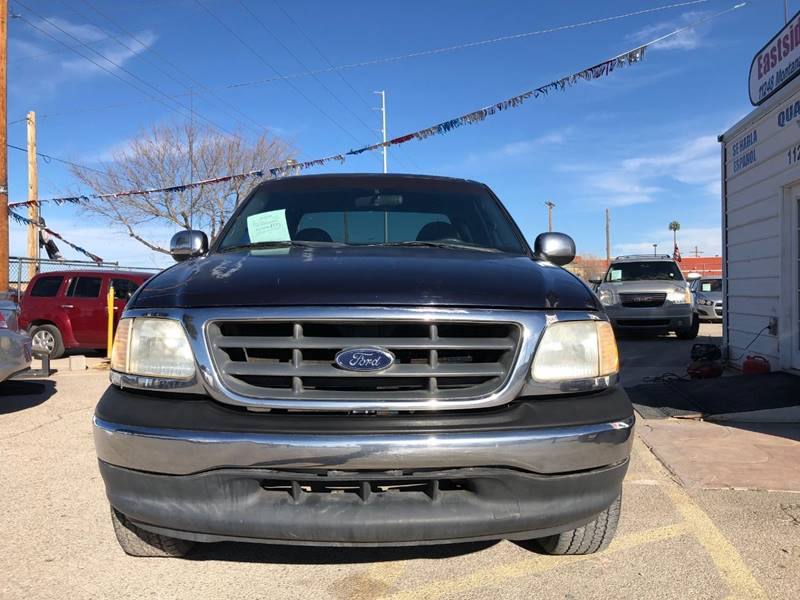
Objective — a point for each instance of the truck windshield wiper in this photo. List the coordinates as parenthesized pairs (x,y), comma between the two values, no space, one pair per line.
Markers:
(278,244)
(440,244)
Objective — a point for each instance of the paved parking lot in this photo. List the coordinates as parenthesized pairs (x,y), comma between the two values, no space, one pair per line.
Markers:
(56,539)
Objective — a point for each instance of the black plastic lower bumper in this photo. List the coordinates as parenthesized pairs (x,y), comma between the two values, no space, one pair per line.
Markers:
(365,508)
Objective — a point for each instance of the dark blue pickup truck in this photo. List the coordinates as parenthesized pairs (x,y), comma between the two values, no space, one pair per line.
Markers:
(365,360)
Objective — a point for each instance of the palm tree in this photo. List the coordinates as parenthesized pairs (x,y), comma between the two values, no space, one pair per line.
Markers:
(674,226)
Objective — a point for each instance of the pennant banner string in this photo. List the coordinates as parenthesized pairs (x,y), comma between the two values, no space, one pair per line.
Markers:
(25,221)
(602,69)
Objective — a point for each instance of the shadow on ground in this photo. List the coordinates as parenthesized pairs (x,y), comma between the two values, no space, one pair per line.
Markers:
(16,395)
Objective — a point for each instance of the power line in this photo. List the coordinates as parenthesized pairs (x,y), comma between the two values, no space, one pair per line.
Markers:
(151,50)
(48,158)
(313,44)
(271,67)
(338,68)
(302,64)
(434,51)
(51,52)
(118,66)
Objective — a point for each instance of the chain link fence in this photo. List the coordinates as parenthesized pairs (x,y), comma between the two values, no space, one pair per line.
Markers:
(22,269)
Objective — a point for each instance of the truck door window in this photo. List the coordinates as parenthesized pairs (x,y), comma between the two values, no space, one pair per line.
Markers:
(46,287)
(85,287)
(123,288)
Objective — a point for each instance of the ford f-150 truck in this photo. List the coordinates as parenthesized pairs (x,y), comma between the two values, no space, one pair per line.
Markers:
(364,360)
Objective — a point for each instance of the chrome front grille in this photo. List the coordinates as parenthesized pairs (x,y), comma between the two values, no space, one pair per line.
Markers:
(642,300)
(294,358)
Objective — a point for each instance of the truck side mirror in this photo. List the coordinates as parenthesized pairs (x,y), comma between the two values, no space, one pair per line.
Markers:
(188,244)
(558,248)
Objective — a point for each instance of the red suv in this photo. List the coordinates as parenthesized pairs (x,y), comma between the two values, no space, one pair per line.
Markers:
(67,309)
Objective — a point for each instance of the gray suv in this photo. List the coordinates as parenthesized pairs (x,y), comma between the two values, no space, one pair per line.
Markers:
(648,293)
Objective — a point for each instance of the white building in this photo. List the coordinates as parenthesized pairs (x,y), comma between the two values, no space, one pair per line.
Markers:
(761,215)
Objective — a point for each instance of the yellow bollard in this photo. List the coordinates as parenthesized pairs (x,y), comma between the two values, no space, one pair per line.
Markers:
(110,309)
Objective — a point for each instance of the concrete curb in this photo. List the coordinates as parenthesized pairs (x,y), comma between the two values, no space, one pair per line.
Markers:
(786,414)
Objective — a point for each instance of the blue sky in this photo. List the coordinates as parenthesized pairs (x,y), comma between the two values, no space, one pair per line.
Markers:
(641,142)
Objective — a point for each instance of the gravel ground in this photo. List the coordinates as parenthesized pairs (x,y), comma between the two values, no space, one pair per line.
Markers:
(56,539)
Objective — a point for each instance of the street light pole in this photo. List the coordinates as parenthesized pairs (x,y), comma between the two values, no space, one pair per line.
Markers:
(383,129)
(550,205)
(655,249)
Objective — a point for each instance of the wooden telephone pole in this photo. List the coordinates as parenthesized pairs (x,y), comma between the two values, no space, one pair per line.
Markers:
(33,194)
(608,237)
(3,148)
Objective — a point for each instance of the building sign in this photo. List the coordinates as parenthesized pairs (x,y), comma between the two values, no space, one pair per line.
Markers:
(777,63)
(744,151)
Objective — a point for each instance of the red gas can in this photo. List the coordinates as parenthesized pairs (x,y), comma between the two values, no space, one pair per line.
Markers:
(755,365)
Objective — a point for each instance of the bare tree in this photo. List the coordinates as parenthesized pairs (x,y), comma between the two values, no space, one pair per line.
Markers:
(171,155)
(588,266)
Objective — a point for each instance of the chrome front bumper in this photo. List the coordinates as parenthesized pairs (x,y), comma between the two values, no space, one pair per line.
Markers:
(669,316)
(544,450)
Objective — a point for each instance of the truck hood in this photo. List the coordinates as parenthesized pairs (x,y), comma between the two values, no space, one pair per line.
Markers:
(336,276)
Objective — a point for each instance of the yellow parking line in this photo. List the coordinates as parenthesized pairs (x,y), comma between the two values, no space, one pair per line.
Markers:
(726,558)
(536,564)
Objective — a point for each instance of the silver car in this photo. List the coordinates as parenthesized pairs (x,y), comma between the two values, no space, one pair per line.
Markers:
(648,293)
(708,298)
(15,345)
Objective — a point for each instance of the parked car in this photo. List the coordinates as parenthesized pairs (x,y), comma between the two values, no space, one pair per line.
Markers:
(15,345)
(364,360)
(66,310)
(708,298)
(648,293)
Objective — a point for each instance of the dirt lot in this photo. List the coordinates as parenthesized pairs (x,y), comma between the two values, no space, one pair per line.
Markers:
(56,539)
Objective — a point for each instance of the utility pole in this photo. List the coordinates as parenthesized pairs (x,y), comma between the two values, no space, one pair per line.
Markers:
(549,204)
(33,195)
(3,148)
(383,129)
(608,237)
(696,252)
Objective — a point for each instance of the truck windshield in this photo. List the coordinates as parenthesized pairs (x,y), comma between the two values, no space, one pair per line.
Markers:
(373,217)
(644,271)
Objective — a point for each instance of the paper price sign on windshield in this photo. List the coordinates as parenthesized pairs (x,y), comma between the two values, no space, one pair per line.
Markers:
(268,227)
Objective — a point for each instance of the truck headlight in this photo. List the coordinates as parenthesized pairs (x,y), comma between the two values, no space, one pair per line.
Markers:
(606,297)
(572,350)
(680,295)
(153,348)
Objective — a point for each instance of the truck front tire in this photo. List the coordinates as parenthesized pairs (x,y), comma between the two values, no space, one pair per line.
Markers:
(690,332)
(593,537)
(138,542)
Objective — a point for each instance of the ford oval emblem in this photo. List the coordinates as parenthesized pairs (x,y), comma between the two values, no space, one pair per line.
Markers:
(364,359)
